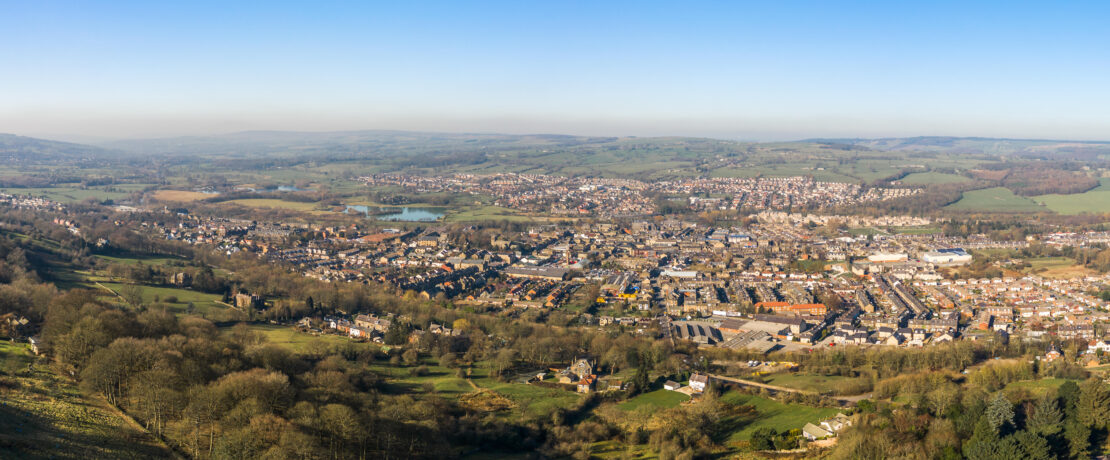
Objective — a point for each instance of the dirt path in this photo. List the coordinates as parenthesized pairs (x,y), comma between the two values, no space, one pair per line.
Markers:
(843,399)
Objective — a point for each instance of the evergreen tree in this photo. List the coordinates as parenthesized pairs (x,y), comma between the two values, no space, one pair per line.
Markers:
(641,382)
(985,443)
(1000,413)
(1032,446)
(1079,440)
(1093,406)
(1069,395)
(1046,417)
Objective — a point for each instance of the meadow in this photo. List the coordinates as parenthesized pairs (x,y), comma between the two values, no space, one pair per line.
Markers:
(807,382)
(923,230)
(528,401)
(136,259)
(1096,200)
(14,357)
(771,414)
(204,304)
(68,194)
(179,195)
(1037,387)
(932,177)
(1056,267)
(658,399)
(486,213)
(995,199)
(276,204)
(298,341)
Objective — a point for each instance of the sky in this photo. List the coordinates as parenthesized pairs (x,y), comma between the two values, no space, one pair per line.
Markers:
(767,70)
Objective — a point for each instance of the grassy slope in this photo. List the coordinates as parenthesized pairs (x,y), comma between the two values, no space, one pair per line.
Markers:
(1096,200)
(996,199)
(46,416)
(67,194)
(659,399)
(133,260)
(530,400)
(203,302)
(1038,387)
(296,340)
(274,203)
(772,414)
(931,177)
(1056,267)
(807,382)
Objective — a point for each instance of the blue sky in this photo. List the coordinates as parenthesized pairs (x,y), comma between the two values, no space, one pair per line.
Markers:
(750,70)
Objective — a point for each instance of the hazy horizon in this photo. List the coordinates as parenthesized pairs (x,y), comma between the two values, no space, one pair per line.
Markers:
(755,72)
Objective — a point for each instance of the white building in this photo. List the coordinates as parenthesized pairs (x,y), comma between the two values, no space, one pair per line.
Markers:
(947,256)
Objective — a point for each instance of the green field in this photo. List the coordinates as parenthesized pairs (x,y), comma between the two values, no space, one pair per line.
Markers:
(296,340)
(659,399)
(402,381)
(795,169)
(926,230)
(485,213)
(1038,263)
(996,199)
(275,204)
(133,260)
(772,414)
(1056,267)
(806,382)
(864,231)
(204,303)
(531,400)
(1096,200)
(1038,387)
(931,177)
(14,357)
(68,194)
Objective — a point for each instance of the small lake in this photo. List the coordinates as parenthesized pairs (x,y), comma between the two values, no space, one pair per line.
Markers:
(280,188)
(399,213)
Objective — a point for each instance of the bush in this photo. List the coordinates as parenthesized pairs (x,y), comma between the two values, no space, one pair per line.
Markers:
(764,439)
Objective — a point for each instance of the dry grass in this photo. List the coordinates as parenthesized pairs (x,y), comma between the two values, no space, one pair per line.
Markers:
(1073,271)
(485,401)
(277,204)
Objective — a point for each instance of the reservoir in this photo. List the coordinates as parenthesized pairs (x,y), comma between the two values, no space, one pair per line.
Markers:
(399,213)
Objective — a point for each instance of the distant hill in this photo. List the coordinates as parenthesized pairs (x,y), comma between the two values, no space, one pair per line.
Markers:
(649,158)
(982,145)
(377,142)
(22,149)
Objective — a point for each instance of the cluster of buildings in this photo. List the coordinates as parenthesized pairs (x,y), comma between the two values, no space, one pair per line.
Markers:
(587,196)
(800,192)
(30,202)
(773,283)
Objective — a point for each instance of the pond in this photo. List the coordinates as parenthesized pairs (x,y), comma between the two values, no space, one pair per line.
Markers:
(280,188)
(399,213)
